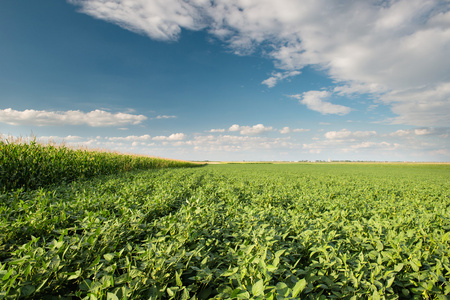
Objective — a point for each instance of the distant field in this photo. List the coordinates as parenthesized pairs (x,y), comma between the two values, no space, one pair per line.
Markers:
(232,231)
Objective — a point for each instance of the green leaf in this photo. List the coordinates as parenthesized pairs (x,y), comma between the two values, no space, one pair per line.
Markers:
(108,256)
(230,272)
(85,285)
(243,295)
(299,287)
(414,266)
(380,246)
(185,295)
(92,296)
(258,288)
(170,292)
(375,295)
(111,296)
(279,253)
(282,289)
(27,290)
(6,276)
(390,281)
(398,267)
(271,268)
(178,279)
(58,244)
(74,275)
(276,261)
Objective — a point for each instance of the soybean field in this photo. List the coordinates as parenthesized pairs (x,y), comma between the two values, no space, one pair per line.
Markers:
(232,231)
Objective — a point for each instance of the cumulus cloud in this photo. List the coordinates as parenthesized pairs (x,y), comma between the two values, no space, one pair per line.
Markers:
(400,133)
(172,137)
(132,138)
(95,118)
(285,130)
(217,130)
(250,130)
(423,131)
(395,50)
(346,143)
(234,127)
(345,134)
(232,143)
(278,76)
(314,100)
(373,146)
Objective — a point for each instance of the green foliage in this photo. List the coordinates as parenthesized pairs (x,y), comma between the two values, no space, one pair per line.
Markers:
(32,165)
(232,232)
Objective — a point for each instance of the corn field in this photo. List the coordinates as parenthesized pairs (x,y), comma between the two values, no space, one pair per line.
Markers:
(30,165)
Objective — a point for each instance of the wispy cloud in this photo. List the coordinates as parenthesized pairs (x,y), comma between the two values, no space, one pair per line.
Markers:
(250,130)
(278,76)
(314,100)
(165,117)
(395,50)
(160,20)
(95,118)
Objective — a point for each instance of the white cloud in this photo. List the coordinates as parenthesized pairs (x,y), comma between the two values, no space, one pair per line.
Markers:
(400,133)
(314,101)
(300,130)
(95,118)
(161,20)
(395,50)
(285,130)
(217,130)
(370,145)
(59,139)
(278,76)
(165,117)
(234,127)
(172,137)
(349,145)
(232,143)
(421,106)
(250,130)
(133,138)
(345,134)
(424,131)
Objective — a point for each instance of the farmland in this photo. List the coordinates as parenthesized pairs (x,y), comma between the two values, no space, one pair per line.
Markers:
(236,231)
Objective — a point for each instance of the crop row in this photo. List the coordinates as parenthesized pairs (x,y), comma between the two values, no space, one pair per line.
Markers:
(31,165)
(232,232)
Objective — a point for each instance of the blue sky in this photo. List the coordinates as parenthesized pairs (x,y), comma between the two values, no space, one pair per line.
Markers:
(230,79)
